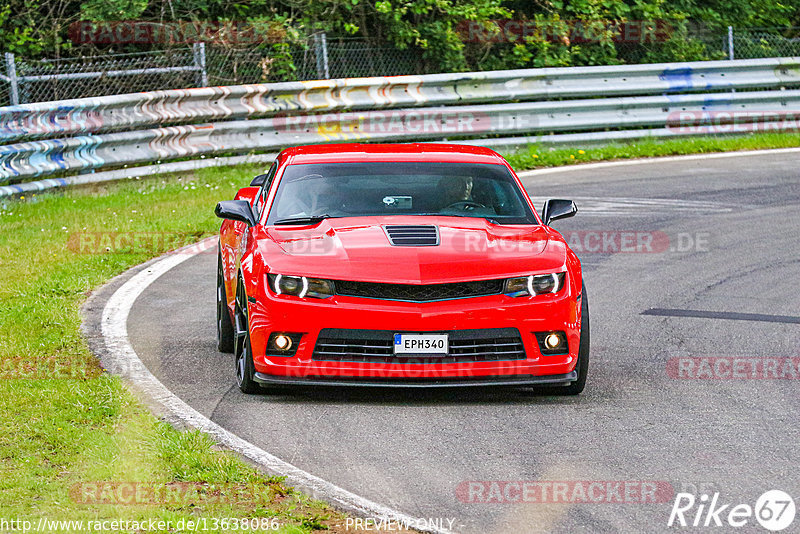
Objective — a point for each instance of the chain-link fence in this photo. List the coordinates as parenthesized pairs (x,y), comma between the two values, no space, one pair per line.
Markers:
(49,80)
(697,46)
(23,81)
(747,44)
(202,64)
(348,59)
(319,59)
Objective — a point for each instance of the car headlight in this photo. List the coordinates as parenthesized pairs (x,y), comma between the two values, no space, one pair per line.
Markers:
(535,284)
(300,286)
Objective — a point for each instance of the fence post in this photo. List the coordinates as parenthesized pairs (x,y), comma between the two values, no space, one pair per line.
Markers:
(11,70)
(321,51)
(199,51)
(324,40)
(730,43)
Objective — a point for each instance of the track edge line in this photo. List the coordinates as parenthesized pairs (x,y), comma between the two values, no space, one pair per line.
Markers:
(112,346)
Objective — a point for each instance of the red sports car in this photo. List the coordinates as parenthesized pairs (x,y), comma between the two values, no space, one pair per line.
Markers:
(398,265)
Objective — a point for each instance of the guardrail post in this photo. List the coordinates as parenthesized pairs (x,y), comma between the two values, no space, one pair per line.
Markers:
(321,51)
(730,43)
(199,51)
(13,80)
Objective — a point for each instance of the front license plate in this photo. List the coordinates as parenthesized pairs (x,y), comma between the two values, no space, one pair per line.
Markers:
(420,344)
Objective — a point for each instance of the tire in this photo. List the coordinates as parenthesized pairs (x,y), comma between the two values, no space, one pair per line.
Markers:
(224,322)
(243,351)
(583,350)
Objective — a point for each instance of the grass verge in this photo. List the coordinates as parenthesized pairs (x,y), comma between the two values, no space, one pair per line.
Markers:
(79,446)
(537,156)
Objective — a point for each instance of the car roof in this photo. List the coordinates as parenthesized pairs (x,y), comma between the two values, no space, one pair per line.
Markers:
(351,152)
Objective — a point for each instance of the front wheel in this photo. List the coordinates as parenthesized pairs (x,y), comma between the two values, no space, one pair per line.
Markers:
(243,352)
(583,349)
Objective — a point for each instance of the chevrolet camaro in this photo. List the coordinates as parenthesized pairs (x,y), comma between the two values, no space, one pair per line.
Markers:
(398,265)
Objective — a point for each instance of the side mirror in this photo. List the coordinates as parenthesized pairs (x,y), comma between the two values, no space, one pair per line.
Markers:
(236,210)
(247,193)
(557,208)
(258,180)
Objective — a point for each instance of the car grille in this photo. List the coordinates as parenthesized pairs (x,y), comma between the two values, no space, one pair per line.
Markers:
(419,292)
(377,346)
(412,235)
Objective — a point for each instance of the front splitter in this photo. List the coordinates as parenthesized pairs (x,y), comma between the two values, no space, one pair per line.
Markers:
(529,380)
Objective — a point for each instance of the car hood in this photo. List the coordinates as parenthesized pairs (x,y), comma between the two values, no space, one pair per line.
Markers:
(359,249)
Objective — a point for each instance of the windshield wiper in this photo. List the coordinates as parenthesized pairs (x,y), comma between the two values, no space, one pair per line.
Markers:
(310,219)
(489,218)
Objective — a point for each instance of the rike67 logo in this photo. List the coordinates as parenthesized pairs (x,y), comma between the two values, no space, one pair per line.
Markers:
(774,510)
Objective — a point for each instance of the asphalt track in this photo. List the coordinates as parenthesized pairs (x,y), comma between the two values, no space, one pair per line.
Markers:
(720,282)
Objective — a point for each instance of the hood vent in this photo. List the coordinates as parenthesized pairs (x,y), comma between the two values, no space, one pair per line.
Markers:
(412,235)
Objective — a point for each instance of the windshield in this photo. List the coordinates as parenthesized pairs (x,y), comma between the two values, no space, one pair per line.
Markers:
(322,190)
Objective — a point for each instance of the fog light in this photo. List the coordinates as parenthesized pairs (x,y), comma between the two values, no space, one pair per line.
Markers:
(552,341)
(282,342)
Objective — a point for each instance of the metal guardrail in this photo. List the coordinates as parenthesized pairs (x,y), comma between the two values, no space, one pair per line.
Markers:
(602,101)
(104,114)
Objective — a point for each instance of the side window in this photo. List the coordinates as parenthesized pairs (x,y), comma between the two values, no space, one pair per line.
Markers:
(262,194)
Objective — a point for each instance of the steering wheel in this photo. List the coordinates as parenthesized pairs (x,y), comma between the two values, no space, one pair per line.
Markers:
(465,205)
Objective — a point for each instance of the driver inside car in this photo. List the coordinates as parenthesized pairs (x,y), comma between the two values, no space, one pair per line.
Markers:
(454,189)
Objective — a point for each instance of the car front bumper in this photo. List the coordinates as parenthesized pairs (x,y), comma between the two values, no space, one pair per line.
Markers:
(280,313)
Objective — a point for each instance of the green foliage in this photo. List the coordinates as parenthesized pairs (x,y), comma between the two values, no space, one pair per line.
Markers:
(432,28)
(113,9)
(281,66)
(17,29)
